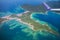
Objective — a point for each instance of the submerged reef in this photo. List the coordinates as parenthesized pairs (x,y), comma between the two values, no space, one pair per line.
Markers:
(32,26)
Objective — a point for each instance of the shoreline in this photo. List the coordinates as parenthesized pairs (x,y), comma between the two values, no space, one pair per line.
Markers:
(18,19)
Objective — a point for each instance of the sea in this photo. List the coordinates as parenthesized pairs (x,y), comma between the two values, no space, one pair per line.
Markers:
(52,18)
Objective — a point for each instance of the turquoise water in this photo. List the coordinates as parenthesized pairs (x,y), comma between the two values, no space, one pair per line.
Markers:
(17,34)
(50,17)
(10,7)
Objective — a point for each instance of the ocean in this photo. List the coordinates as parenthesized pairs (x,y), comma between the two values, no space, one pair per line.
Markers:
(10,7)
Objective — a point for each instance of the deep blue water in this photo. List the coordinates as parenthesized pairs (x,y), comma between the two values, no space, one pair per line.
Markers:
(14,34)
(51,17)
(17,34)
(11,5)
(18,10)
